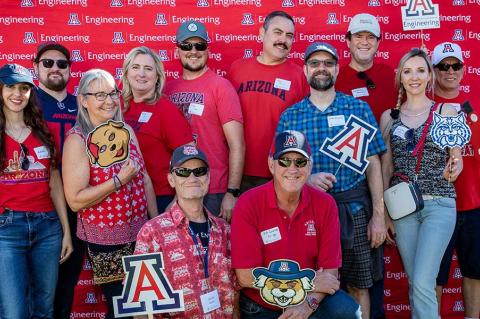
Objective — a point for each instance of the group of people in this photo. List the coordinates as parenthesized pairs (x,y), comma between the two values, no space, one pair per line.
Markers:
(92,172)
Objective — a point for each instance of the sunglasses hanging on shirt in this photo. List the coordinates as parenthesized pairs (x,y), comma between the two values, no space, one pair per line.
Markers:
(368,82)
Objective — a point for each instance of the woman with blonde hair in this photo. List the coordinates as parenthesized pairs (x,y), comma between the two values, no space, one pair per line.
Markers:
(423,236)
(159,125)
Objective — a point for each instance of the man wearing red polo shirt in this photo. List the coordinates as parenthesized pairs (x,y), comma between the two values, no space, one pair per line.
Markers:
(286,219)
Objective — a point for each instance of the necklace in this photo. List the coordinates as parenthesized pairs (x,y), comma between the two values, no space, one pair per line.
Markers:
(415,115)
(19,136)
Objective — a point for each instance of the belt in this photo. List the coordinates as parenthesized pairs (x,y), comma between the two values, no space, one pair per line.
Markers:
(430,197)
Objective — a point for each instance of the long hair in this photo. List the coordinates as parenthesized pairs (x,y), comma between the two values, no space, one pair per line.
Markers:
(127,89)
(33,118)
(83,118)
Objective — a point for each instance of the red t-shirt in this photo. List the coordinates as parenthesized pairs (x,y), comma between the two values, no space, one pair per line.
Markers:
(265,91)
(467,185)
(310,237)
(382,97)
(26,190)
(208,102)
(160,129)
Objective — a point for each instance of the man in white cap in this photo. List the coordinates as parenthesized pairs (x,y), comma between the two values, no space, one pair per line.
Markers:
(448,63)
(363,77)
(211,105)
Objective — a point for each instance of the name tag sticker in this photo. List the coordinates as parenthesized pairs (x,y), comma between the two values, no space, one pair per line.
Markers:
(359,92)
(144,117)
(271,235)
(282,84)
(196,109)
(400,131)
(336,120)
(457,106)
(42,152)
(210,301)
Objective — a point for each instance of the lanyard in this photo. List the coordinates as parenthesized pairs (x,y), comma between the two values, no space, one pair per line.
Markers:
(199,248)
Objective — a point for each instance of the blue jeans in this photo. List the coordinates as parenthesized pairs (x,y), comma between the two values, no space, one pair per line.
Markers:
(30,245)
(338,306)
(422,238)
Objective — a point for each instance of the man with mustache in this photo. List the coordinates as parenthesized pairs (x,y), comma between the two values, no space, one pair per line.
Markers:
(213,110)
(266,84)
(323,114)
(52,65)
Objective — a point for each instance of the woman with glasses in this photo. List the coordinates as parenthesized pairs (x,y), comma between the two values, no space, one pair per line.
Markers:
(105,181)
(423,236)
(34,231)
(159,125)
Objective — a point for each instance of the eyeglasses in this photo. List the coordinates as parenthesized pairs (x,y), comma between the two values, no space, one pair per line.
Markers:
(188,46)
(445,66)
(186,172)
(368,82)
(410,137)
(61,64)
(298,162)
(25,163)
(329,63)
(102,96)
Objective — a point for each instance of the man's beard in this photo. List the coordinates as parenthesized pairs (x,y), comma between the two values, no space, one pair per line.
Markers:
(57,86)
(190,68)
(321,85)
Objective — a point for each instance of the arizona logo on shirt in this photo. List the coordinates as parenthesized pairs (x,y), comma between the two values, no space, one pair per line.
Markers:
(17,172)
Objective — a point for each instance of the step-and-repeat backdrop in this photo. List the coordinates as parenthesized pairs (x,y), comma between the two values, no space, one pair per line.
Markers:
(100,33)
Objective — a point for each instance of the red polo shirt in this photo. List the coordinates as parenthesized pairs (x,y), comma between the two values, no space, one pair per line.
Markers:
(310,237)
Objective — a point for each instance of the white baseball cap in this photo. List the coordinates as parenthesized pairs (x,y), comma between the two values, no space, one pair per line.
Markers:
(446,50)
(364,22)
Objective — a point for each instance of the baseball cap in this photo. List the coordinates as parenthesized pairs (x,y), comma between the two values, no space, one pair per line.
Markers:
(42,48)
(446,50)
(320,46)
(290,141)
(186,152)
(11,74)
(364,22)
(190,29)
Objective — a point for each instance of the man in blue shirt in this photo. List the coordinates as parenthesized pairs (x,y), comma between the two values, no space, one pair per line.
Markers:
(52,65)
(323,114)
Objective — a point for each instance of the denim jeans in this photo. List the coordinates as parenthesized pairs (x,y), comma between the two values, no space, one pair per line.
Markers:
(338,306)
(422,238)
(30,245)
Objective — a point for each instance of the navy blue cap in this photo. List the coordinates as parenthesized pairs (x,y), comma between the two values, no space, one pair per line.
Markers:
(186,152)
(52,45)
(290,141)
(320,46)
(11,74)
(190,29)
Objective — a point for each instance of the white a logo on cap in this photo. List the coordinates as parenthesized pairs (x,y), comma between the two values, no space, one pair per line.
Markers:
(290,141)
(192,27)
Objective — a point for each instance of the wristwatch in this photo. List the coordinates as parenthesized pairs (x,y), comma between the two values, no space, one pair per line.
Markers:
(312,302)
(234,191)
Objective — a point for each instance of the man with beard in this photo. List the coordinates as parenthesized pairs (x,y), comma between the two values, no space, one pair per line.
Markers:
(213,110)
(323,115)
(267,85)
(52,65)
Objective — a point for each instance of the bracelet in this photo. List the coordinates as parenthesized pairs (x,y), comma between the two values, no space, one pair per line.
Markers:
(116,180)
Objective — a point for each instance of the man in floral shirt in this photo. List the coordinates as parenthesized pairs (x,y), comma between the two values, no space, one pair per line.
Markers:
(195,244)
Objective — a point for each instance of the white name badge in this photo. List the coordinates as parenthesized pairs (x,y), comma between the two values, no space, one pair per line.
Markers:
(359,92)
(196,109)
(400,131)
(42,152)
(282,84)
(144,117)
(457,106)
(336,120)
(271,235)
(210,301)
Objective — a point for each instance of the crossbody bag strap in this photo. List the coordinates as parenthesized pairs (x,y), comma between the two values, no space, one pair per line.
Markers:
(418,151)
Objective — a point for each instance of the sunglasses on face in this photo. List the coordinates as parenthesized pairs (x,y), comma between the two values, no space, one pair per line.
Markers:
(61,64)
(102,96)
(25,163)
(329,63)
(188,46)
(368,82)
(298,162)
(186,172)
(445,66)
(410,137)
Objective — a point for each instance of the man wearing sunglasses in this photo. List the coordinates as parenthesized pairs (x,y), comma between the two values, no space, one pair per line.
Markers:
(363,77)
(195,243)
(323,114)
(449,69)
(288,219)
(266,84)
(213,110)
(52,65)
